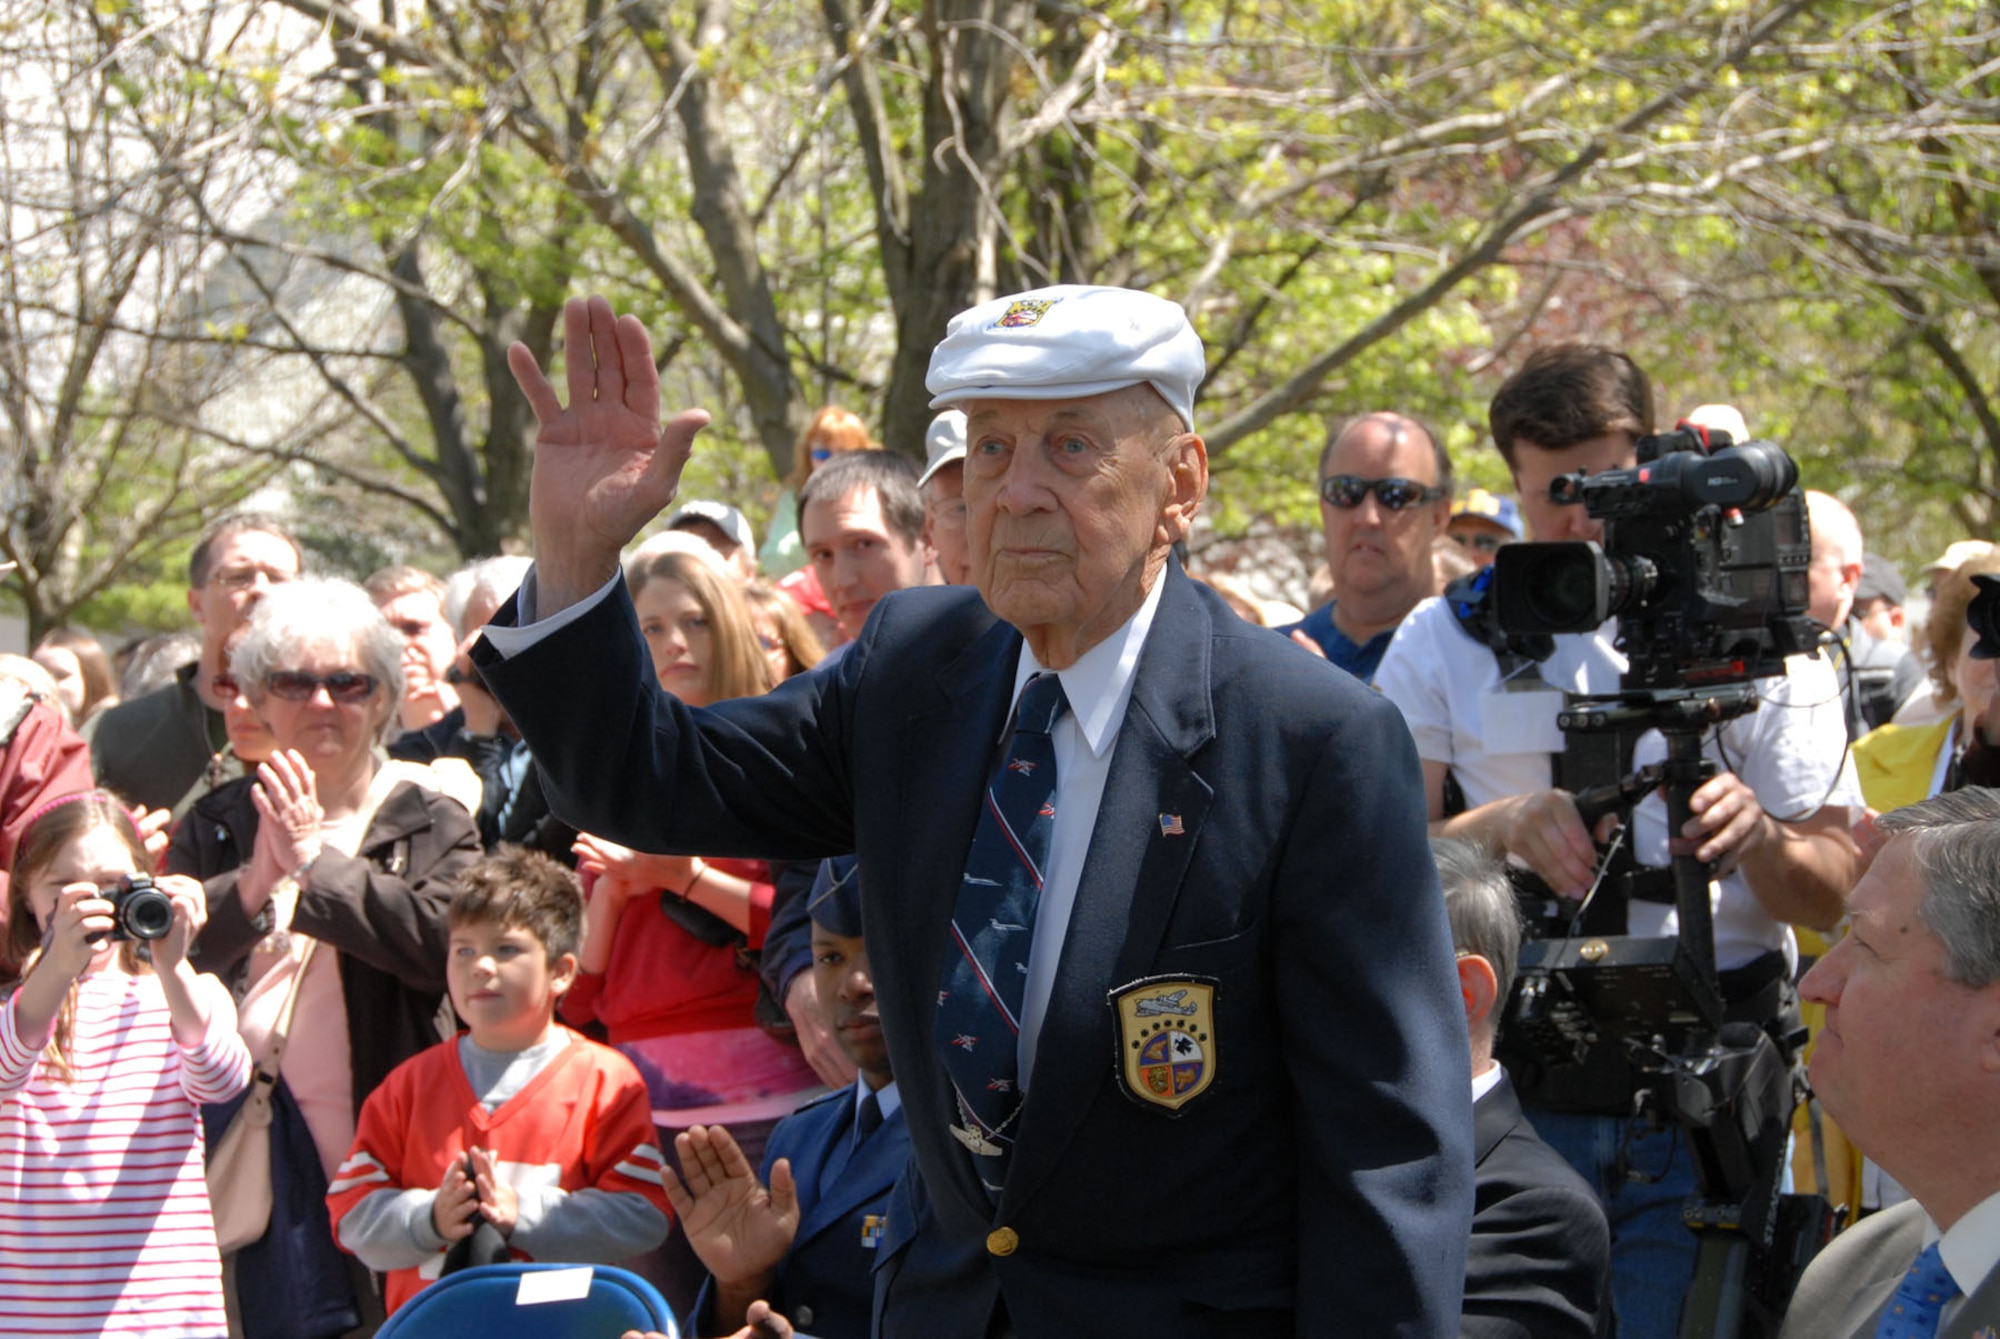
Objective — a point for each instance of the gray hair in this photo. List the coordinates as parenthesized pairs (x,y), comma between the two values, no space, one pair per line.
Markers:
(319,611)
(1955,839)
(1479,900)
(490,580)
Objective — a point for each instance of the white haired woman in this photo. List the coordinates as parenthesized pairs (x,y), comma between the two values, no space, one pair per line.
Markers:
(332,866)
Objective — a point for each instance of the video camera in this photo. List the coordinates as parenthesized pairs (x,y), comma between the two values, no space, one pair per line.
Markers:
(1703,563)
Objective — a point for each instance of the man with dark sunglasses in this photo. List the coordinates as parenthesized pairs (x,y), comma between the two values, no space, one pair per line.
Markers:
(1384,498)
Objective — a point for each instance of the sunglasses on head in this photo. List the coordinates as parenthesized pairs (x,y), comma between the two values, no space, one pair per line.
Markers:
(299,686)
(1348,491)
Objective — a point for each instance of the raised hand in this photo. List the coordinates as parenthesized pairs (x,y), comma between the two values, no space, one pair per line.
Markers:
(605,465)
(740,1229)
(154,830)
(815,1034)
(289,817)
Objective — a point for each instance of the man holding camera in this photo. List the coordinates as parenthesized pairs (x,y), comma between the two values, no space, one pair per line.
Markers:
(1772,822)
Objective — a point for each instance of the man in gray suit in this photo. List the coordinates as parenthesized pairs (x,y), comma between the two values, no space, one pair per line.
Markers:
(1909,1063)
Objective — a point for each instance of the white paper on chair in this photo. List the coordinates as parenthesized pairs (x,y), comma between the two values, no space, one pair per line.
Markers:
(553,1285)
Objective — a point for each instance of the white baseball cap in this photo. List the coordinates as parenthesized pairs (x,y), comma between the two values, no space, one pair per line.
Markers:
(943,443)
(731,521)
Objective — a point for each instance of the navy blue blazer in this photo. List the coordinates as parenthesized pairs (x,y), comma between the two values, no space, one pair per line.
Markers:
(826,1284)
(1260,847)
(1539,1266)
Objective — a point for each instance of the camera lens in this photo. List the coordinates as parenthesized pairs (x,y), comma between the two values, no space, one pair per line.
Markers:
(1550,587)
(144,912)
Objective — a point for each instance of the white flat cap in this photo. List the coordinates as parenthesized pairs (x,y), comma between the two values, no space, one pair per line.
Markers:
(943,443)
(1065,343)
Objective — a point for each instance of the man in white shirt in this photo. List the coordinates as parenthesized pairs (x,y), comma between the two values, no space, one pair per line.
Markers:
(1220,1095)
(1773,821)
(1909,1064)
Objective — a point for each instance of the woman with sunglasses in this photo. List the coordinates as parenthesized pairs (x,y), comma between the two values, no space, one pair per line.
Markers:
(327,871)
(832,429)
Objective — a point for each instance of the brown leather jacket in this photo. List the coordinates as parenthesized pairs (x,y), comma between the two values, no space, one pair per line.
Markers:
(383,909)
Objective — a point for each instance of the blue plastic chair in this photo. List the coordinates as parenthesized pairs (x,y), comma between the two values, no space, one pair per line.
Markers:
(505,1301)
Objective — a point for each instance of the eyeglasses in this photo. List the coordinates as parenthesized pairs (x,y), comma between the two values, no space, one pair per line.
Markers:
(243,578)
(1483,542)
(1348,491)
(347,686)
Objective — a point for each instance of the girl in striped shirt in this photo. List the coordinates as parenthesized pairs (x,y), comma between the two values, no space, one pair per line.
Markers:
(104,1062)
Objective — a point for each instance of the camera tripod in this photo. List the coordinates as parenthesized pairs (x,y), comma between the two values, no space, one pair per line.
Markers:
(1727,1085)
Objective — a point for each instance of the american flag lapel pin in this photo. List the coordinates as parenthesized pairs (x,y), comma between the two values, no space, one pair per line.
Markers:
(1171,826)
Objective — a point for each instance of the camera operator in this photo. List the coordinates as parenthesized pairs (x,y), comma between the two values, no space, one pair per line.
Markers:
(1488,737)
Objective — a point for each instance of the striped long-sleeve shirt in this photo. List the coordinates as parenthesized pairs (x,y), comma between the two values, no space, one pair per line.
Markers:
(104,1218)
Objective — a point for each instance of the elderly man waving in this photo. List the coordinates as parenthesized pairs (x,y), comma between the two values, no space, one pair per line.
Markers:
(1160,938)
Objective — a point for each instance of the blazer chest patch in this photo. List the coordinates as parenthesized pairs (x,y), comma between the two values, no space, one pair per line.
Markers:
(1166,1039)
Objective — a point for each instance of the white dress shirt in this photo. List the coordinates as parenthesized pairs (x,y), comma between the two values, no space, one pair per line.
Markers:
(1098,686)
(1970,1251)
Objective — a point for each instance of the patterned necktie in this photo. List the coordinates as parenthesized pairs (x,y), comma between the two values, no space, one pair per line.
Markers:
(1918,1306)
(986,960)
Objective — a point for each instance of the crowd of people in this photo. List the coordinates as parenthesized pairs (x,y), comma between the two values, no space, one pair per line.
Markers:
(950,917)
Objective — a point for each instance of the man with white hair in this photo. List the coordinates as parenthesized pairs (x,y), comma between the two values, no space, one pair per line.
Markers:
(1161,945)
(1875,676)
(1539,1263)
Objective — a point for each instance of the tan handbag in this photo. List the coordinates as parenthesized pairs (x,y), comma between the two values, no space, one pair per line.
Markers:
(239,1171)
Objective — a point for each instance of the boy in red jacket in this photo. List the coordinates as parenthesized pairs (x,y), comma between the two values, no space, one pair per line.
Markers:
(518,1122)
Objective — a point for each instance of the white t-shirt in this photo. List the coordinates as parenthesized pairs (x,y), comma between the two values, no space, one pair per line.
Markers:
(1498,742)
